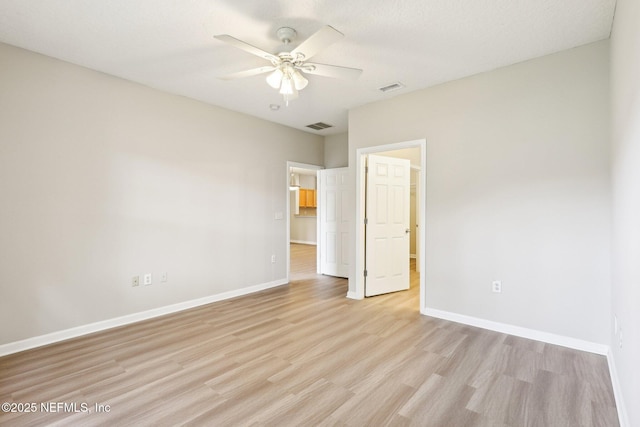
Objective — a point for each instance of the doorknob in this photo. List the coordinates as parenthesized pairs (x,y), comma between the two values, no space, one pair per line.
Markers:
(407,231)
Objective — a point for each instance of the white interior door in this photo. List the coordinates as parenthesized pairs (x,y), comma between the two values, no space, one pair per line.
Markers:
(334,226)
(387,229)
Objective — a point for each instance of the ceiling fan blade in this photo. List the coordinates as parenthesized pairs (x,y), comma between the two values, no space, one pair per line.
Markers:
(248,73)
(331,71)
(319,40)
(246,47)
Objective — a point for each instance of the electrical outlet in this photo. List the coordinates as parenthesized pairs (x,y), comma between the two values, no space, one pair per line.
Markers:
(135,281)
(163,277)
(496,286)
(273,258)
(147,279)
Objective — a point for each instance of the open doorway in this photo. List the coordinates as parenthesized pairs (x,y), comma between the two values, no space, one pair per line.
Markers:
(418,162)
(302,220)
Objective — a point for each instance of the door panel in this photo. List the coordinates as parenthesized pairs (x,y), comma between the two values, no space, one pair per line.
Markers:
(387,212)
(334,225)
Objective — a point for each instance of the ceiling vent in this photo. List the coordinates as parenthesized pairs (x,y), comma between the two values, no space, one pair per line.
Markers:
(391,87)
(319,126)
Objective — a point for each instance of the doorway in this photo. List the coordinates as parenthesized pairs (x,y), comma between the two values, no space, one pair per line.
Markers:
(302,218)
(397,149)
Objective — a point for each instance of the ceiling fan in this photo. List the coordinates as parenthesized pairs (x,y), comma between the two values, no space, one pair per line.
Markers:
(287,68)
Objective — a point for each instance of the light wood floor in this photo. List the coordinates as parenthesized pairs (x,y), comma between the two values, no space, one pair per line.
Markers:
(304,355)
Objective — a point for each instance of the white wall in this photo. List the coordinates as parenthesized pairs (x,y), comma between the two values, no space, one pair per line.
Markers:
(625,89)
(102,179)
(336,150)
(518,190)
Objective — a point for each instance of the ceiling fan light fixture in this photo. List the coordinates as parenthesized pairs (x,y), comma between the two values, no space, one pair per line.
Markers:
(275,79)
(286,88)
(299,81)
(287,69)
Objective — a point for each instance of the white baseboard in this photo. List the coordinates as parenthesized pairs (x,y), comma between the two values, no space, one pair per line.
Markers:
(533,334)
(304,242)
(66,334)
(352,295)
(623,418)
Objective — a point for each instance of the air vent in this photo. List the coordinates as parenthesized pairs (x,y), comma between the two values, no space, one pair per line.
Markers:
(391,87)
(319,126)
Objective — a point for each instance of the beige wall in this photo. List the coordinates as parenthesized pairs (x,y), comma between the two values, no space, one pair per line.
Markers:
(517,190)
(625,88)
(102,179)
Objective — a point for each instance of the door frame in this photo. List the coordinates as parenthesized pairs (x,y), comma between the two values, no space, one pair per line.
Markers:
(290,165)
(358,272)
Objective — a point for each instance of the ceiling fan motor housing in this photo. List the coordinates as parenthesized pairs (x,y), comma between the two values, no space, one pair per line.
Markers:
(286,34)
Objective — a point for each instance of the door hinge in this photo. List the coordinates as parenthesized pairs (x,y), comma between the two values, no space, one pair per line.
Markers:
(366,169)
(365,273)
(366,221)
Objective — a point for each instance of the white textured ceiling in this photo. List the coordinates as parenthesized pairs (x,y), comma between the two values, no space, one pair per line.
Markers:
(169,44)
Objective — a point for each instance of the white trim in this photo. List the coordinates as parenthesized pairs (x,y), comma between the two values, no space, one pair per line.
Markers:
(352,295)
(574,343)
(359,230)
(304,242)
(29,343)
(623,418)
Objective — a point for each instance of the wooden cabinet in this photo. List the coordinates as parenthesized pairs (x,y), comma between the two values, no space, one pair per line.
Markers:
(311,198)
(308,198)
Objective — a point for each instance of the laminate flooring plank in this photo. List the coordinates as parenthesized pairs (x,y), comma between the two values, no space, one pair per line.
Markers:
(558,400)
(331,421)
(500,398)
(382,358)
(242,378)
(205,350)
(440,402)
(604,415)
(312,405)
(517,362)
(593,369)
(524,343)
(68,383)
(302,375)
(237,411)
(378,406)
(127,381)
(416,369)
